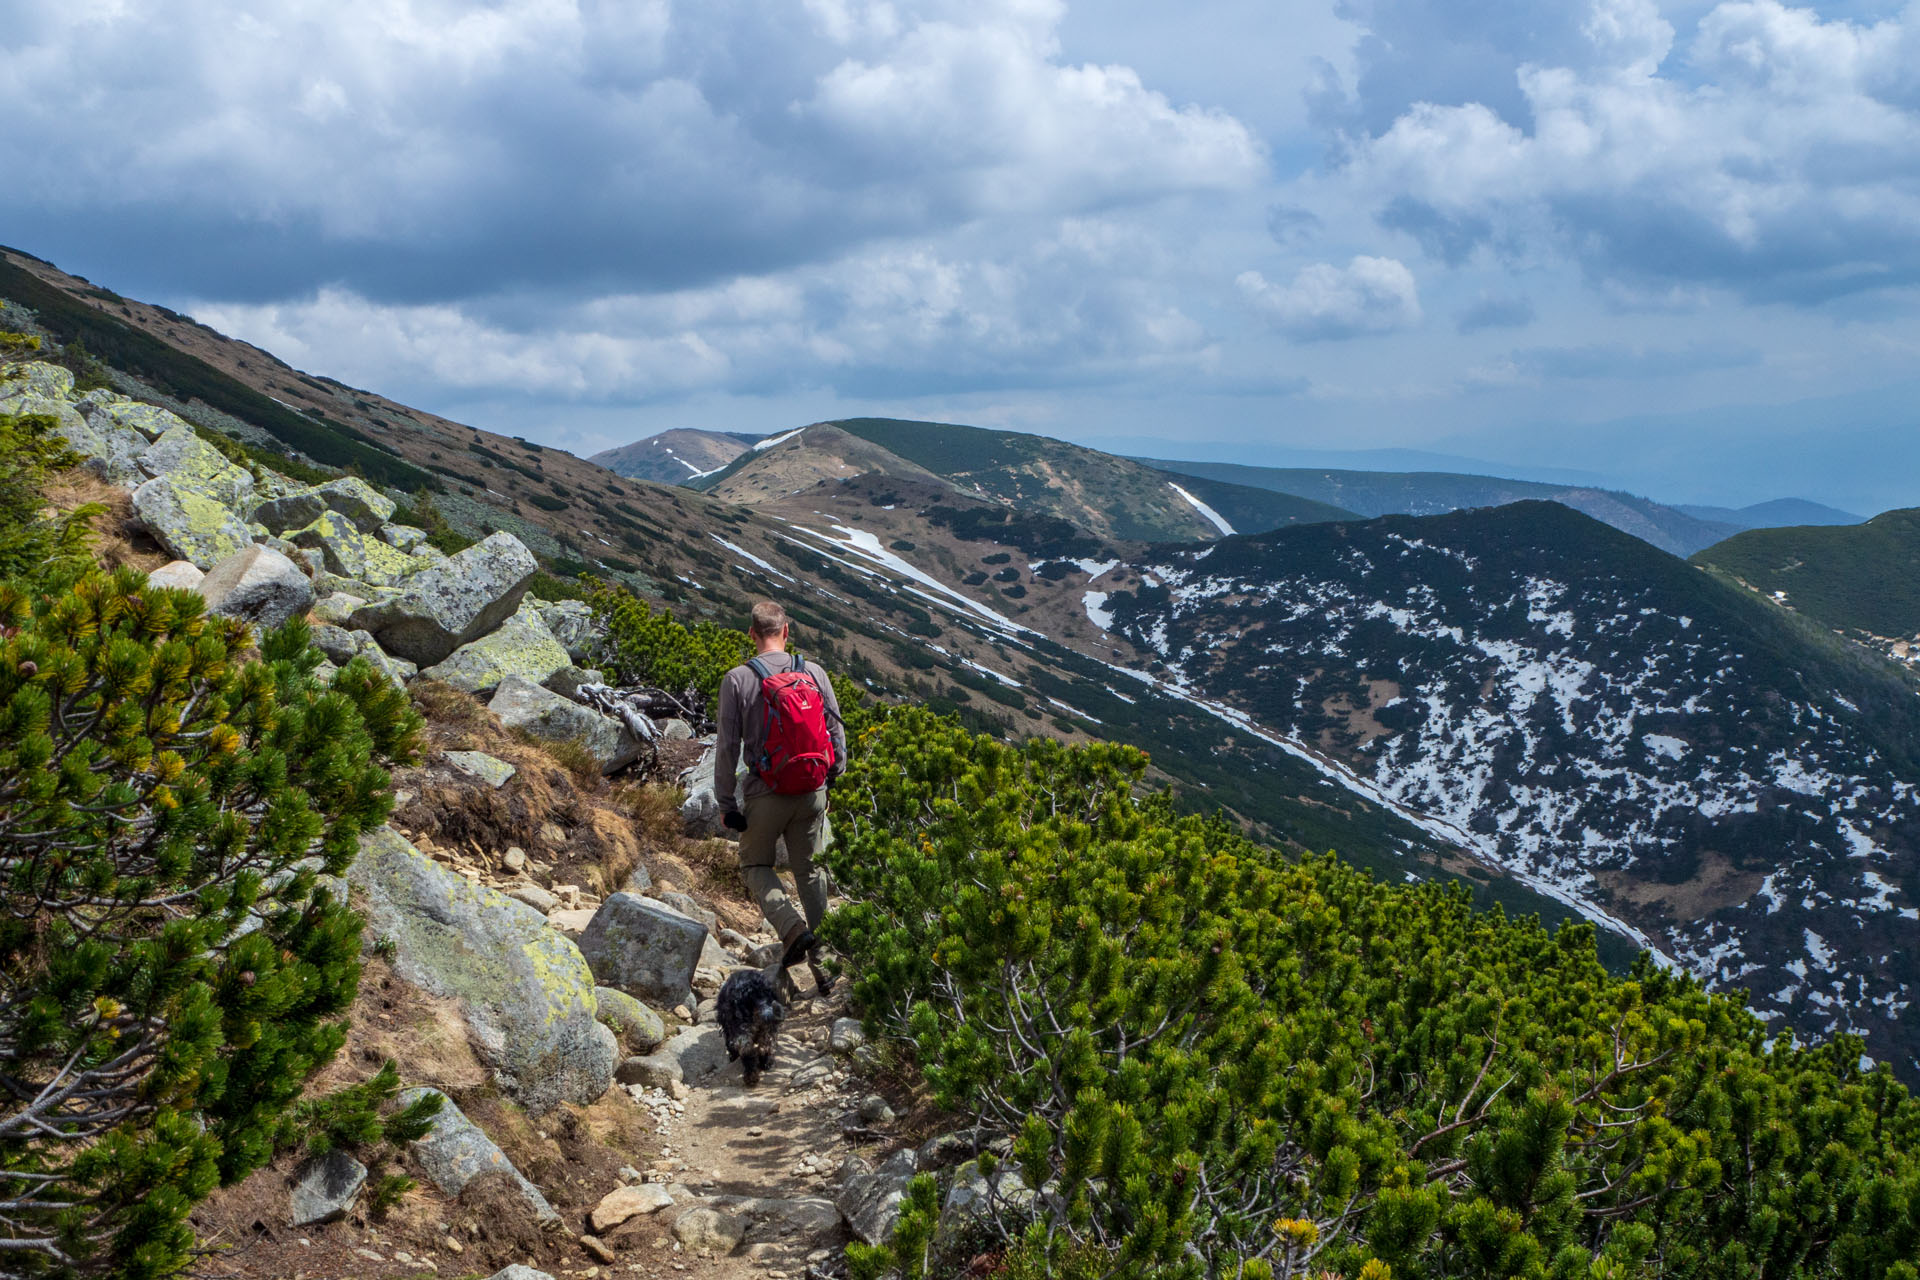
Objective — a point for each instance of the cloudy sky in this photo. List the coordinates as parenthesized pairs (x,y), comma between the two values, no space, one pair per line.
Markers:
(1674,245)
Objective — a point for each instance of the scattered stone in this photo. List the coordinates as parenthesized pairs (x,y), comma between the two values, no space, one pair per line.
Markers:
(455,1152)
(629,1174)
(656,1070)
(176,573)
(638,1026)
(336,608)
(527,993)
(340,645)
(496,773)
(691,909)
(846,1035)
(191,463)
(522,704)
(737,944)
(944,1149)
(874,1109)
(519,1272)
(260,585)
(643,949)
(521,646)
(715,957)
(190,524)
(870,1198)
(709,1231)
(619,1205)
(325,1187)
(536,897)
(572,921)
(701,1051)
(449,604)
(568,680)
(813,1072)
(766,953)
(639,880)
(600,1249)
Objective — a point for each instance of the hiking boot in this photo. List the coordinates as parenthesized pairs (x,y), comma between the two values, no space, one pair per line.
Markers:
(799,949)
(817,966)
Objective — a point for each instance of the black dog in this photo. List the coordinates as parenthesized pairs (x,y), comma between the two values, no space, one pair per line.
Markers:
(750,1012)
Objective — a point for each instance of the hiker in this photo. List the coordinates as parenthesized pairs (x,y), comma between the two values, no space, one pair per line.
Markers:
(780,708)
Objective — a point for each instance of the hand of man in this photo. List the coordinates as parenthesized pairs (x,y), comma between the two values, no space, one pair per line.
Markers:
(733,820)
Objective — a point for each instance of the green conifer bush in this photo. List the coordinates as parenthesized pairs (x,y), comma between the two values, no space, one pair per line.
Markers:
(644,645)
(173,967)
(1213,1061)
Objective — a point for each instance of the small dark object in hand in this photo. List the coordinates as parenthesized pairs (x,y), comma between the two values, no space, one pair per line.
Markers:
(734,820)
(750,1012)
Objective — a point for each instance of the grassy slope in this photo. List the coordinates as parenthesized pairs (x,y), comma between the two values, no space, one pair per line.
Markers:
(1863,577)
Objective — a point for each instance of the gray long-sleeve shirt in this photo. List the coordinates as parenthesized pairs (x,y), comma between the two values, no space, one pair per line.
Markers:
(743,724)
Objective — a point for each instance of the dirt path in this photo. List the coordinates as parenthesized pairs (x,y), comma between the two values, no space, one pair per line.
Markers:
(765,1157)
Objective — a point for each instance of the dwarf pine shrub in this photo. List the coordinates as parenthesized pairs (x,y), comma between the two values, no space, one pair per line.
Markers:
(1211,1061)
(173,968)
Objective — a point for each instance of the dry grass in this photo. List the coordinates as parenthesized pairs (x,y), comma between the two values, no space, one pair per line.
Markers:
(116,544)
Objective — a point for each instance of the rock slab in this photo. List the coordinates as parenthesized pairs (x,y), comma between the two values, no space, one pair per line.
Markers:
(325,1187)
(455,1152)
(522,704)
(527,993)
(623,1203)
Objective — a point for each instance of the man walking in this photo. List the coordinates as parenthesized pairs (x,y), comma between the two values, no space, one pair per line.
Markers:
(781,710)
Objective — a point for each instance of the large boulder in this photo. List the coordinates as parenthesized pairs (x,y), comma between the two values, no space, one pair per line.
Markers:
(190,523)
(349,552)
(571,621)
(448,604)
(260,585)
(351,498)
(870,1198)
(524,705)
(522,646)
(528,993)
(643,949)
(455,1152)
(177,573)
(190,462)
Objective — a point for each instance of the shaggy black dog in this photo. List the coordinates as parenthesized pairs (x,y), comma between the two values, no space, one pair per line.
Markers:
(750,1013)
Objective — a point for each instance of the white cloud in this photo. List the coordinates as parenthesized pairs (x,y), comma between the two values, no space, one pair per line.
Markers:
(1787,166)
(1368,295)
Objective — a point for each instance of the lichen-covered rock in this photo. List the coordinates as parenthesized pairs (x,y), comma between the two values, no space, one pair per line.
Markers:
(260,585)
(35,378)
(527,992)
(112,453)
(191,463)
(351,552)
(643,949)
(455,1152)
(639,1027)
(150,420)
(335,608)
(398,670)
(521,646)
(67,422)
(177,573)
(569,680)
(351,498)
(524,705)
(325,1187)
(446,605)
(571,622)
(340,645)
(191,524)
(402,537)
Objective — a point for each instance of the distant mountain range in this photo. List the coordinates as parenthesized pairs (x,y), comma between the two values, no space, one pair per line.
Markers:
(680,456)
(1779,513)
(1422,493)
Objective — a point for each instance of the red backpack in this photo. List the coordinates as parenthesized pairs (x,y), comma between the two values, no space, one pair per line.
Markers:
(797,753)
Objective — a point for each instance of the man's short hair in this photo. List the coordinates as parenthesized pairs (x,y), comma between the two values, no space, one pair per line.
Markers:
(769,620)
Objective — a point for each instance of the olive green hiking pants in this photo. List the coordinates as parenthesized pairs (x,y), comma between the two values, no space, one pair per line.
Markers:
(802,820)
